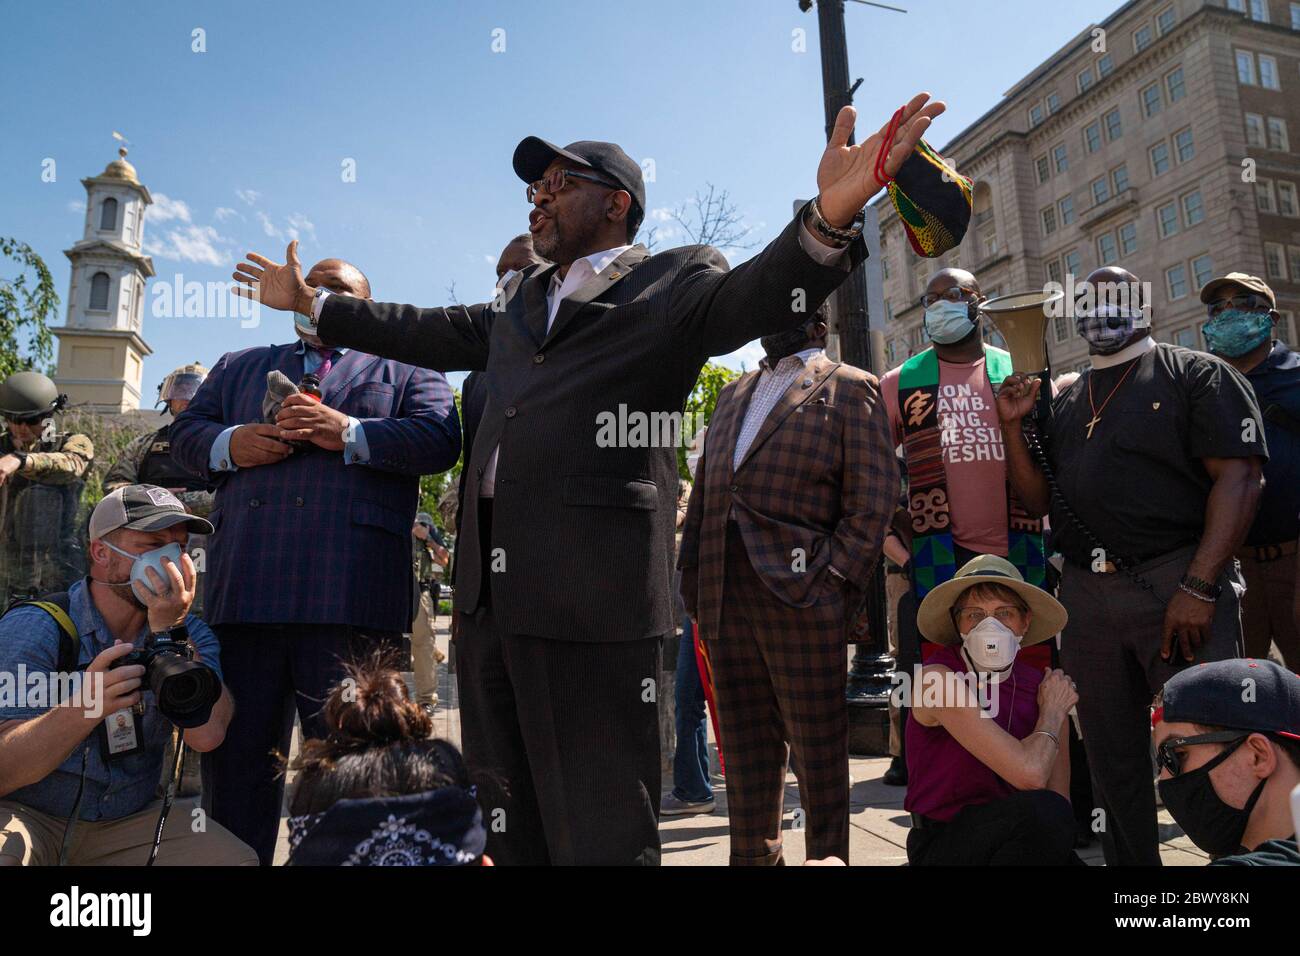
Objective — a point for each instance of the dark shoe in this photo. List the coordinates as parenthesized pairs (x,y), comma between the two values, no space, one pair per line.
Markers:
(896,775)
(670,806)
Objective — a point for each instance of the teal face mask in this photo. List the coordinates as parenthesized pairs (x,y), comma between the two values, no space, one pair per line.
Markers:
(948,322)
(1234,332)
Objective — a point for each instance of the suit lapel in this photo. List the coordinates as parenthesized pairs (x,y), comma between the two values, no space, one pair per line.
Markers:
(595,287)
(803,388)
(535,309)
(344,372)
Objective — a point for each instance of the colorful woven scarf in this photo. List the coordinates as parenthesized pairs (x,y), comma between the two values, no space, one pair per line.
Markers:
(933,555)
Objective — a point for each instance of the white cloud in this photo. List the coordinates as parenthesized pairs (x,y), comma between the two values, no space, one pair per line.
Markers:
(269,227)
(225,212)
(744,358)
(490,260)
(300,226)
(661,214)
(191,243)
(249,196)
(165,208)
(76,205)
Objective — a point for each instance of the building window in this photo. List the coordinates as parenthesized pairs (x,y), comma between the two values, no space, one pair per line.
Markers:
(1159,159)
(1193,208)
(1294,253)
(1106,65)
(1092,137)
(1114,127)
(1141,38)
(1167,218)
(1165,20)
(1061,158)
(1073,265)
(1259,10)
(1053,102)
(1100,190)
(1061,327)
(1185,338)
(1175,85)
(1107,251)
(1049,220)
(1295,16)
(1035,115)
(1286,199)
(1254,129)
(1128,238)
(1237,6)
(1054,271)
(1119,175)
(1067,210)
(1085,80)
(1176,281)
(99,290)
(1041,168)
(1151,100)
(1268,73)
(1184,147)
(108,214)
(1274,260)
(1245,68)
(1202,270)
(1264,196)
(1277,138)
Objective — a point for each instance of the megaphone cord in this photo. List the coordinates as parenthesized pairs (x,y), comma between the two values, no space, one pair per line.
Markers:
(1039,454)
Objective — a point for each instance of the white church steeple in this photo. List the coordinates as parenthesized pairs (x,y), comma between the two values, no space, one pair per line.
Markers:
(101,351)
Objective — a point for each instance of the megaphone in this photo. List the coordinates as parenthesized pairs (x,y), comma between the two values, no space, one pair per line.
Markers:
(1021,319)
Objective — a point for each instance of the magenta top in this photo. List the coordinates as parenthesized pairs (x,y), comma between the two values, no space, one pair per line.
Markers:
(943,777)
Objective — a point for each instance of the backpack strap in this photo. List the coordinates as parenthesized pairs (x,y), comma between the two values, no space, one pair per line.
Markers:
(58,606)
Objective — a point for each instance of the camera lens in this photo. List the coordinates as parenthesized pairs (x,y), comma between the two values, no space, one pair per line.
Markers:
(185,690)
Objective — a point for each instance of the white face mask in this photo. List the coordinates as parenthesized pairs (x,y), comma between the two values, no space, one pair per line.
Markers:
(991,645)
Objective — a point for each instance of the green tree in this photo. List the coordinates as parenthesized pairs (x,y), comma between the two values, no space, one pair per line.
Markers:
(699,407)
(26,306)
(432,487)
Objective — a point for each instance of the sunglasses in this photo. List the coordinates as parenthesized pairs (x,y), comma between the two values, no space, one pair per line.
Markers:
(557,179)
(1168,758)
(1245,302)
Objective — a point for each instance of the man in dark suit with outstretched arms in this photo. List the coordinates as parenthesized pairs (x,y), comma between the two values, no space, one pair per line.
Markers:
(563,582)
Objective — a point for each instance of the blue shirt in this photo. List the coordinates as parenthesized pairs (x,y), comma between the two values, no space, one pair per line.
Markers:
(29,636)
(356,451)
(1276,382)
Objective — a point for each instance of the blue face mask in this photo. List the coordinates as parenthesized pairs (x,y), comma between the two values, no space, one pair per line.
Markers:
(1234,332)
(150,559)
(948,322)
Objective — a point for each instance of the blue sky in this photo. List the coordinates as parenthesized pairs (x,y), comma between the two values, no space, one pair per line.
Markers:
(242,146)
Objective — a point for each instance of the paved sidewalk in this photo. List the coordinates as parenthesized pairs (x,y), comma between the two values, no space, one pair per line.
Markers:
(878,823)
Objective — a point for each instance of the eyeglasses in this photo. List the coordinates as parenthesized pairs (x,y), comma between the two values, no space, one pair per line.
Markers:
(557,179)
(968,617)
(1168,757)
(955,294)
(1246,302)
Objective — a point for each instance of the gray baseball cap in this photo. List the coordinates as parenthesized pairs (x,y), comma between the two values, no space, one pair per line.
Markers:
(142,508)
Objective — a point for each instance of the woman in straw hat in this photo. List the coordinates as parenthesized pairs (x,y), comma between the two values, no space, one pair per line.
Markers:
(988,769)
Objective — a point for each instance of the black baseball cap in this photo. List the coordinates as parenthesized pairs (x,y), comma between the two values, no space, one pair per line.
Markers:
(534,154)
(142,508)
(1242,694)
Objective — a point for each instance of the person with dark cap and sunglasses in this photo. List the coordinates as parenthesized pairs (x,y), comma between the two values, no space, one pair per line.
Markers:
(1241,330)
(566,542)
(1227,737)
(41,477)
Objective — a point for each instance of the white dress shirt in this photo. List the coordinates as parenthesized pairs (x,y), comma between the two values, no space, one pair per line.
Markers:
(773,382)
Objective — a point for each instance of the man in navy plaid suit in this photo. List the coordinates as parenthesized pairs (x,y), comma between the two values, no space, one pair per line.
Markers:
(310,563)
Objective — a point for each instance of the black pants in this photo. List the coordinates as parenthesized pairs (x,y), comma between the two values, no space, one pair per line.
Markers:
(1028,828)
(273,671)
(571,731)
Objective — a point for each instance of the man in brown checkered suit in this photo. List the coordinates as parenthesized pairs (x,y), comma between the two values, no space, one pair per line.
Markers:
(792,497)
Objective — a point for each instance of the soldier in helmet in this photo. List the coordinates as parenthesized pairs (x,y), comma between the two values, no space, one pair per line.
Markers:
(148,459)
(429,559)
(41,477)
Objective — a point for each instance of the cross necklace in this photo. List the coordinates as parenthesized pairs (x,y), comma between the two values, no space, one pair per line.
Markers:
(1096,412)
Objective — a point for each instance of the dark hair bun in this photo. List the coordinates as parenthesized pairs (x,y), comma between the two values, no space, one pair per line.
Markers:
(371,707)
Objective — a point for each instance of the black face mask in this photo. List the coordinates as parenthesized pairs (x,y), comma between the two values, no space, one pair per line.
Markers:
(1208,822)
(781,344)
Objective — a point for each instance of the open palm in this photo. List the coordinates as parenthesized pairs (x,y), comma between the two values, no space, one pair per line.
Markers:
(846,176)
(276,285)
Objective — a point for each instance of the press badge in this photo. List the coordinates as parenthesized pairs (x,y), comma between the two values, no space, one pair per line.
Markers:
(121,734)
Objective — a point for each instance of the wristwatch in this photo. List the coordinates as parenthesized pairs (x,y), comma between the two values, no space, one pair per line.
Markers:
(1204,588)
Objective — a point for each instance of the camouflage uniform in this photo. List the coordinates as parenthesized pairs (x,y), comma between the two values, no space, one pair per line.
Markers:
(40,543)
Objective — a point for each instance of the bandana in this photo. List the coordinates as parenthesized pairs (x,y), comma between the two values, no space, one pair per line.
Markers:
(436,828)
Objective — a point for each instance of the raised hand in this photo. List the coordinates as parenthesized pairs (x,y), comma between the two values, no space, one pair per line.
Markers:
(1017,396)
(846,176)
(275,285)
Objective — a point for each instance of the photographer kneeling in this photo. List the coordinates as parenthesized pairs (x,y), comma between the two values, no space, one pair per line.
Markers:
(79,771)
(988,775)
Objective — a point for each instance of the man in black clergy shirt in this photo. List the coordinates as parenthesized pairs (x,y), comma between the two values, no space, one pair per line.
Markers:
(565,563)
(1158,451)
